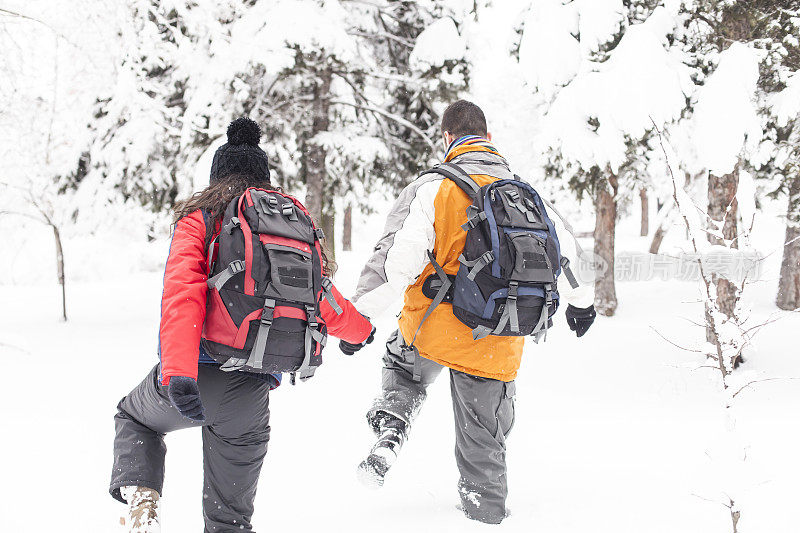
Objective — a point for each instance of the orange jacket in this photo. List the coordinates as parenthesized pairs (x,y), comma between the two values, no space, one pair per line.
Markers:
(444,338)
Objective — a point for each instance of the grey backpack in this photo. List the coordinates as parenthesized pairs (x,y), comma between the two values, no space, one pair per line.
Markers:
(265,287)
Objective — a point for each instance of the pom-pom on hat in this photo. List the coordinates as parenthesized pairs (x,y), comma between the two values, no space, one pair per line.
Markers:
(241,154)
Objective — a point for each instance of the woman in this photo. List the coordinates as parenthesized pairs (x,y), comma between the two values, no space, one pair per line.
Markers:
(187,387)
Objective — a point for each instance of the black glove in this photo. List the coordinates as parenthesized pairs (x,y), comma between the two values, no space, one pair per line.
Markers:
(350,349)
(185,396)
(579,320)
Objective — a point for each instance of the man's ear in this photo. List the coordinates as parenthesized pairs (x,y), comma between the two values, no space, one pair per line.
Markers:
(447,138)
(488,136)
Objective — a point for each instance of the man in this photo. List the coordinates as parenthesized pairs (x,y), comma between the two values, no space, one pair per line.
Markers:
(427,217)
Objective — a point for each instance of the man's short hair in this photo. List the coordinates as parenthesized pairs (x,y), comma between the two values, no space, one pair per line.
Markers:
(464,118)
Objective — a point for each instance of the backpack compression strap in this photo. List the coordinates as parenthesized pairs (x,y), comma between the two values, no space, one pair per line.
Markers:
(219,280)
(327,293)
(256,359)
(440,296)
(510,316)
(306,371)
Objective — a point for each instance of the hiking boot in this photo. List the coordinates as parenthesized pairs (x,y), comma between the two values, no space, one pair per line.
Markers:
(142,510)
(391,436)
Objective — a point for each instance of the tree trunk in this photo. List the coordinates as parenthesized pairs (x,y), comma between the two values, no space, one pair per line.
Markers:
(789,284)
(658,238)
(605,203)
(662,225)
(347,228)
(60,271)
(328,225)
(314,155)
(644,230)
(722,206)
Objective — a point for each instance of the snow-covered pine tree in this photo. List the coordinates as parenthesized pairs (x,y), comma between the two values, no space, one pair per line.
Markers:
(421,69)
(613,79)
(757,41)
(298,69)
(146,136)
(709,40)
(777,33)
(344,104)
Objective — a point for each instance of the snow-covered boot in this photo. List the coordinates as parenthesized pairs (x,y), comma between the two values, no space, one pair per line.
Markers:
(391,436)
(142,510)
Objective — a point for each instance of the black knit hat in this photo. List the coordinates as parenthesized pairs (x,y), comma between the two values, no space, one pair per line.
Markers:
(241,154)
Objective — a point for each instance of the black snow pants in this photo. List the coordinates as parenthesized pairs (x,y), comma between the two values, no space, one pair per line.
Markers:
(235,436)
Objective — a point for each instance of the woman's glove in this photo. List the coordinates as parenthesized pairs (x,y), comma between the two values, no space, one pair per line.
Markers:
(579,320)
(185,396)
(349,348)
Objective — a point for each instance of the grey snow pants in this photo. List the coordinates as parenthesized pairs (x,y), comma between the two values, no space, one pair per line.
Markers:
(484,416)
(235,436)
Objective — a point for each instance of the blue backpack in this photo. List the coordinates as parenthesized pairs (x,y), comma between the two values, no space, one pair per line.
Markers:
(507,282)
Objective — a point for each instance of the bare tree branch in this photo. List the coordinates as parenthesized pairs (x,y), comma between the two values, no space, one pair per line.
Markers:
(674,344)
(60,35)
(25,215)
(391,116)
(706,282)
(751,383)
(23,350)
(382,35)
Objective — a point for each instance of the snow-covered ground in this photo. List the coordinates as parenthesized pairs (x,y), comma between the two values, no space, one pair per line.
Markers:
(618,431)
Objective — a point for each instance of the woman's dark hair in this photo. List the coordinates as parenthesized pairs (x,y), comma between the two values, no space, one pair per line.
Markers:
(214,200)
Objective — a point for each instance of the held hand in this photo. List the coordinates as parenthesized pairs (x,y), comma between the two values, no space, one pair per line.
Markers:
(579,320)
(185,396)
(349,348)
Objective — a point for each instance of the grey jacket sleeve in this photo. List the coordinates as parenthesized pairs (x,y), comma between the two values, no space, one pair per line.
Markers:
(401,253)
(581,296)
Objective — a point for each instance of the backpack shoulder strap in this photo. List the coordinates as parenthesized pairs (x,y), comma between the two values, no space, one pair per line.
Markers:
(440,296)
(573,282)
(565,222)
(455,174)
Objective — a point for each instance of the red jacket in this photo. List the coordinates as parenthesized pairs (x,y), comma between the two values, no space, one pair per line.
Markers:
(183,303)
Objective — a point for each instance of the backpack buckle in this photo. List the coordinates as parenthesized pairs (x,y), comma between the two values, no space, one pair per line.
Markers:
(232,224)
(311,315)
(512,290)
(474,220)
(478,264)
(269,204)
(236,266)
(320,234)
(268,313)
(288,211)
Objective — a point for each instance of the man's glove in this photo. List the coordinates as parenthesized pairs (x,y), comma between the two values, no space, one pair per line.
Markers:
(185,396)
(579,320)
(350,349)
